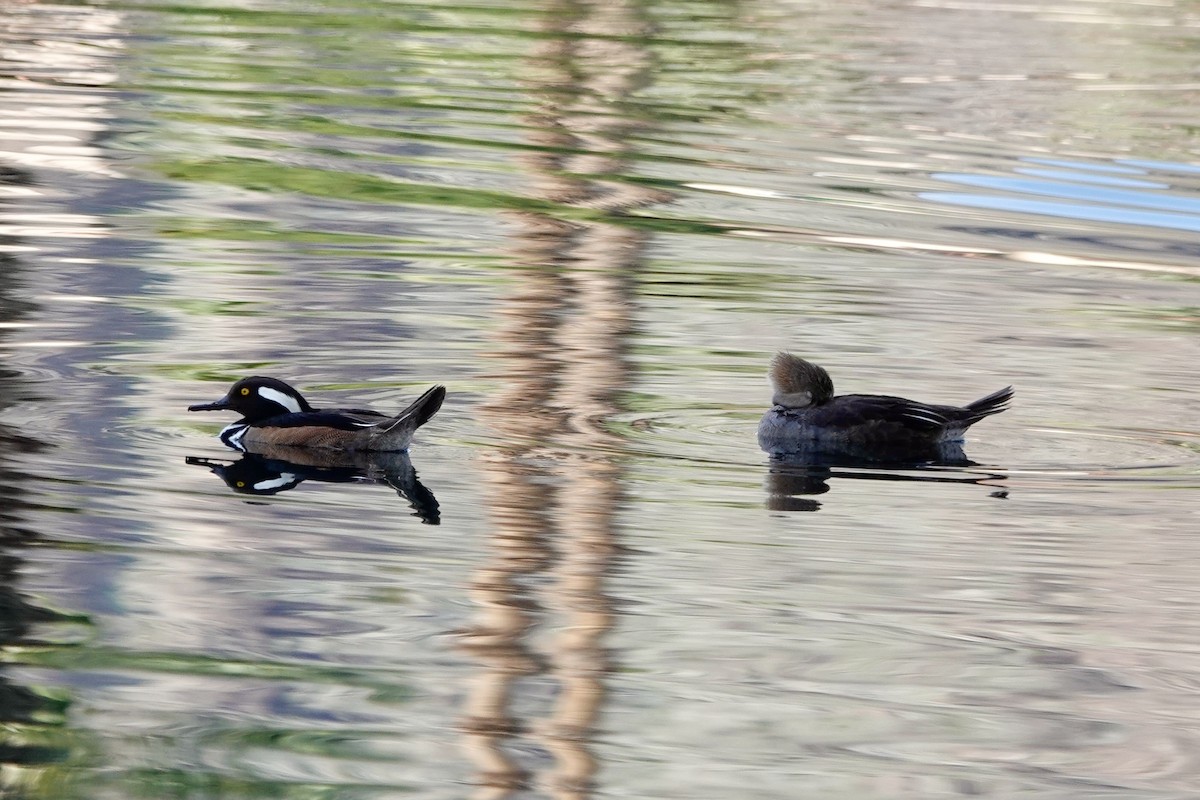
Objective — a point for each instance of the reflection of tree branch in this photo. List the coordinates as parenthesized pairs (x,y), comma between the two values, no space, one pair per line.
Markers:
(554,482)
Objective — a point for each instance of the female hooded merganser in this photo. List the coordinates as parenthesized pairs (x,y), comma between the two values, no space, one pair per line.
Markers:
(275,414)
(805,416)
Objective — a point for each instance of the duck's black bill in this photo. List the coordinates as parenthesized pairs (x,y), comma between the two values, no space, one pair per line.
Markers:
(220,405)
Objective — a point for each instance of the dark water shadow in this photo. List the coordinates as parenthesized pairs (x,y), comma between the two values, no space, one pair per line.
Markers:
(794,479)
(33,725)
(34,735)
(281,469)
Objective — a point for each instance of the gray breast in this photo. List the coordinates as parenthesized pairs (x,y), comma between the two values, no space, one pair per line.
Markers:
(779,432)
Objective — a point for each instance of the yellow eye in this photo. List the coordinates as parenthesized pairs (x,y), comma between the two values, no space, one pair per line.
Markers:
(241,484)
(245,391)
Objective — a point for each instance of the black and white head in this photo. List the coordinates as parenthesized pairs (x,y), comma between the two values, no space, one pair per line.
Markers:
(798,383)
(257,399)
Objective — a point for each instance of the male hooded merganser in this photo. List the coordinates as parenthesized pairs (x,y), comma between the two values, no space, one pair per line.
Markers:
(275,414)
(805,416)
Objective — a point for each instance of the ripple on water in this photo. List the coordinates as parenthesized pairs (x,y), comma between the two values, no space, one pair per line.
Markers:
(1119,454)
(703,435)
(718,435)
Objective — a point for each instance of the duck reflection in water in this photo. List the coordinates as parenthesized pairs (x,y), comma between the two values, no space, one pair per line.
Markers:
(794,478)
(809,432)
(279,469)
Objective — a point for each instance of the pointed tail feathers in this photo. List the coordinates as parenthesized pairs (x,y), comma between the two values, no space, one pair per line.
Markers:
(420,411)
(994,403)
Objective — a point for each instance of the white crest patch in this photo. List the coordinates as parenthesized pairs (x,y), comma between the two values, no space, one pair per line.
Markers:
(284,479)
(276,396)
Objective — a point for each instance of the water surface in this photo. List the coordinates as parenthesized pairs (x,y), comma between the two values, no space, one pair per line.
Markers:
(595,222)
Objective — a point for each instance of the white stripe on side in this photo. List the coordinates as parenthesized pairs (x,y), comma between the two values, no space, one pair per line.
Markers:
(276,396)
(924,415)
(232,435)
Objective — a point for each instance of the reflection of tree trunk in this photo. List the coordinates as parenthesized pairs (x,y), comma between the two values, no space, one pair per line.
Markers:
(554,481)
(587,508)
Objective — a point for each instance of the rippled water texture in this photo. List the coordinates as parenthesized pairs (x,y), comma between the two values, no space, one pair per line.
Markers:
(595,222)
